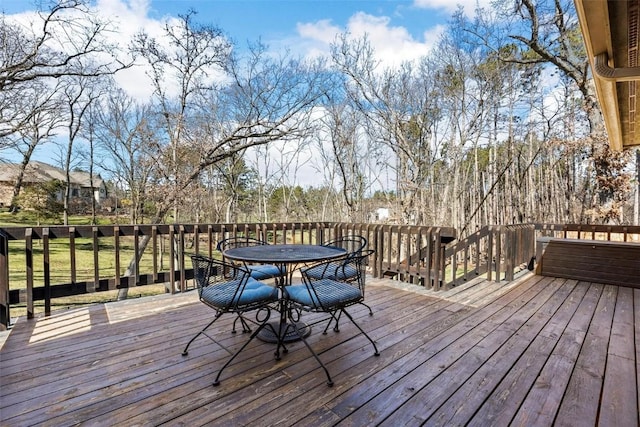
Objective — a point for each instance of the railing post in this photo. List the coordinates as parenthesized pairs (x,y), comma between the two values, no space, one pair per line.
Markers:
(465,264)
(510,253)
(154,252)
(116,244)
(454,267)
(498,256)
(172,259)
(438,252)
(137,255)
(4,282)
(47,271)
(379,248)
(477,254)
(28,237)
(490,253)
(96,263)
(210,240)
(183,284)
(72,255)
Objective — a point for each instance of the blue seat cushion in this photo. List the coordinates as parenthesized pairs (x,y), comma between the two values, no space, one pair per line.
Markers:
(328,294)
(264,271)
(253,283)
(332,271)
(222,294)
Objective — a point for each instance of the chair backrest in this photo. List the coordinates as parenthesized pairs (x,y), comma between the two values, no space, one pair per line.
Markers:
(359,262)
(239,242)
(349,271)
(352,244)
(351,268)
(227,280)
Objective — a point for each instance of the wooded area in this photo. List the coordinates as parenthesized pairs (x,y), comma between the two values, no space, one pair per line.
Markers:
(498,124)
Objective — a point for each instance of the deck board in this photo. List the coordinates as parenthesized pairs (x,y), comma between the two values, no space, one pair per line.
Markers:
(538,351)
(469,397)
(619,396)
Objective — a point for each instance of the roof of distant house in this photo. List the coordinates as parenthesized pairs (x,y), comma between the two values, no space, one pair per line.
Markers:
(42,172)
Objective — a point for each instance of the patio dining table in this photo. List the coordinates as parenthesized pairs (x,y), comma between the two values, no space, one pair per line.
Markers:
(288,258)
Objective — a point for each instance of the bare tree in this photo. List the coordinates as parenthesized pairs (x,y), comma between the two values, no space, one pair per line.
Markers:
(349,155)
(127,136)
(183,65)
(268,99)
(42,123)
(79,93)
(399,113)
(262,162)
(90,156)
(262,99)
(53,46)
(546,32)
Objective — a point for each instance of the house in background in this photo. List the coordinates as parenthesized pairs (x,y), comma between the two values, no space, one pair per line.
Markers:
(38,173)
(382,214)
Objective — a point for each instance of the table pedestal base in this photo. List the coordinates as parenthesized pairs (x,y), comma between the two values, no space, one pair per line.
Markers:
(287,332)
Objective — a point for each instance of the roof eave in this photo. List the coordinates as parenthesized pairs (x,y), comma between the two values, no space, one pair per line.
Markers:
(593,16)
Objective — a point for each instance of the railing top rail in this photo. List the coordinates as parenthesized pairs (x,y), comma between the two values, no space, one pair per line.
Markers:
(62,231)
(598,228)
(448,231)
(55,231)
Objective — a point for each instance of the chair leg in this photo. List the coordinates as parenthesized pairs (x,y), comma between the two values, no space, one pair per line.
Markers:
(281,333)
(336,328)
(361,330)
(304,340)
(186,349)
(216,382)
(245,326)
(331,319)
(370,311)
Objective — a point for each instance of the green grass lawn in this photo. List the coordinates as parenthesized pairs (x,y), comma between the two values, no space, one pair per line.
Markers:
(60,266)
(29,218)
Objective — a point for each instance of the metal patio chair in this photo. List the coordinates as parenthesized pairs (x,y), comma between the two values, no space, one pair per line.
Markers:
(331,295)
(256,271)
(228,288)
(354,245)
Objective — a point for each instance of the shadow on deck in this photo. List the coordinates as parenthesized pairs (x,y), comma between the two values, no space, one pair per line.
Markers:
(538,351)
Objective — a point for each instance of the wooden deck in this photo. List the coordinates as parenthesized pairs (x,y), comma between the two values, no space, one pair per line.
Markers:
(539,351)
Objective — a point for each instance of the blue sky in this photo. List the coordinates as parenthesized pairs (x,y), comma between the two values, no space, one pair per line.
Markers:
(274,20)
(398,30)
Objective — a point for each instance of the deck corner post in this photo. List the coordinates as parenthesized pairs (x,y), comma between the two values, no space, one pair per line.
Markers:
(4,282)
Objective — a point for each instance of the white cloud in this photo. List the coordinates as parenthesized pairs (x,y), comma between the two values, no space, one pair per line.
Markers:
(322,31)
(130,17)
(392,45)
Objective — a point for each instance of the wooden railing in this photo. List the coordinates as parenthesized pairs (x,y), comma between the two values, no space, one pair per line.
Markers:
(412,254)
(497,251)
(98,258)
(500,251)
